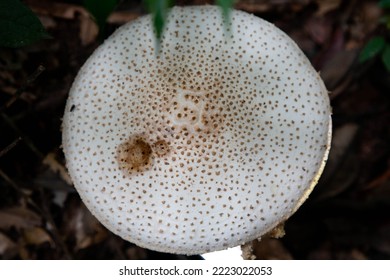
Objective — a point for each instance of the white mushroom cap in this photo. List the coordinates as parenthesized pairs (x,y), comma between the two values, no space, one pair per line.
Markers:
(210,144)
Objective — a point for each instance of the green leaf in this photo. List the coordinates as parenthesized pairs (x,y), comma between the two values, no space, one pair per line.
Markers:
(100,10)
(226,6)
(386,57)
(159,10)
(387,21)
(384,4)
(372,48)
(19,26)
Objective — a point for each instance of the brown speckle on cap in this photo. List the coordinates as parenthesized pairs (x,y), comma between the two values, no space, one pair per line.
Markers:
(161,148)
(207,145)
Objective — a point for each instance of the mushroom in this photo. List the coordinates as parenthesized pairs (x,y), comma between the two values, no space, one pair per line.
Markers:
(208,144)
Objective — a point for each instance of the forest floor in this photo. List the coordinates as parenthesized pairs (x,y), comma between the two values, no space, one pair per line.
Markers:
(347,215)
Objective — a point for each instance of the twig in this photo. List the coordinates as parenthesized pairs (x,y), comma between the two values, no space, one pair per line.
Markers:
(12,183)
(21,89)
(9,147)
(26,139)
(9,121)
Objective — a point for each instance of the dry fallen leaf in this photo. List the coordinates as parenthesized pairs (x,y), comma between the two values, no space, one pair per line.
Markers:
(338,174)
(319,29)
(253,7)
(8,248)
(88,28)
(36,236)
(325,6)
(51,161)
(18,217)
(122,17)
(335,69)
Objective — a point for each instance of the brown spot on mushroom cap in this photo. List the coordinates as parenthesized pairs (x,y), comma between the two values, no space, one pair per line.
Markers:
(134,155)
(210,144)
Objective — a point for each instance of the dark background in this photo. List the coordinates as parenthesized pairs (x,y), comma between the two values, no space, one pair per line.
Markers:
(346,217)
